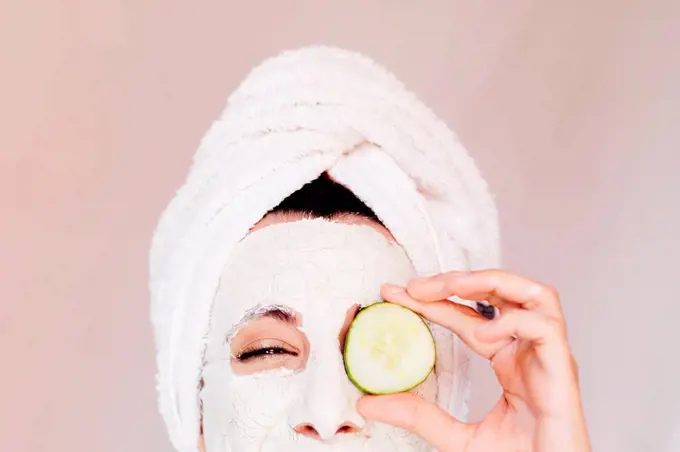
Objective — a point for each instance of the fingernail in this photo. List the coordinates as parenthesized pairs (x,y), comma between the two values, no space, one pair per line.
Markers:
(486,310)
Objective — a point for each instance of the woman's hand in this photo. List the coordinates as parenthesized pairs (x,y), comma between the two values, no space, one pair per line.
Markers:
(540,409)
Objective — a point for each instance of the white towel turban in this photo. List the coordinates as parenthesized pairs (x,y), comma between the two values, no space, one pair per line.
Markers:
(295,116)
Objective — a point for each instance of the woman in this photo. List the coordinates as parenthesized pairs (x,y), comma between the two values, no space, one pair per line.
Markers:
(323,187)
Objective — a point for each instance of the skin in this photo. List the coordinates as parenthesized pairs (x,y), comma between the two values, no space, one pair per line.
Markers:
(540,409)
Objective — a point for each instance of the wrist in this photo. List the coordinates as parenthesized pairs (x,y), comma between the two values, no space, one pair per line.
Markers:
(562,434)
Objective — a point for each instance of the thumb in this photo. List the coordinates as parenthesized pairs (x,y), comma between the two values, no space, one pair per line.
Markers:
(425,419)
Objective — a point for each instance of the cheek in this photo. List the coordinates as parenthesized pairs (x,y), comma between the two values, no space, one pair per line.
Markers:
(248,407)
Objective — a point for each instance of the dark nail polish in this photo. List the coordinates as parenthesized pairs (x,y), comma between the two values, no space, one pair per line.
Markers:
(487,311)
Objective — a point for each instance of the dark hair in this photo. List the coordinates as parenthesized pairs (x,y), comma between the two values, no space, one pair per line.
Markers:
(324,198)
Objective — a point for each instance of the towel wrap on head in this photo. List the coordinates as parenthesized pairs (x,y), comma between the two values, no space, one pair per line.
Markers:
(294,117)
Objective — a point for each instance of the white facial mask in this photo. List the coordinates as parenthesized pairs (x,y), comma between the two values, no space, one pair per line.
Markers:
(319,269)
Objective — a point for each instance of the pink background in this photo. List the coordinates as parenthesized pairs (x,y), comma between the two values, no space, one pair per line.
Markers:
(570,108)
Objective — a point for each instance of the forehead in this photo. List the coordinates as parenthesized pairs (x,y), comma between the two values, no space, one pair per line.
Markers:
(315,267)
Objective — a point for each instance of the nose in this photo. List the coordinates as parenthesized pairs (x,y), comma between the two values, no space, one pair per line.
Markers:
(310,431)
(327,406)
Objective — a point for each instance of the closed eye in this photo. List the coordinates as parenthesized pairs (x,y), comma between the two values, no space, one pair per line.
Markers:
(264,353)
(267,344)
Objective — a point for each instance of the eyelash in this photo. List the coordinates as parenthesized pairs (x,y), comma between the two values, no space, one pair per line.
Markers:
(264,353)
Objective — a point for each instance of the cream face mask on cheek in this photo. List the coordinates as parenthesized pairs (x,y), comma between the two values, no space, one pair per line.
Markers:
(316,271)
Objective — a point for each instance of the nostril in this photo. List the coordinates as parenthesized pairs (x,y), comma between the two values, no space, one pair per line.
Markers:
(307,430)
(347,427)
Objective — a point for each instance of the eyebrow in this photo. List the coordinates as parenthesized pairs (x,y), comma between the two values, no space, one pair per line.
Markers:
(276,312)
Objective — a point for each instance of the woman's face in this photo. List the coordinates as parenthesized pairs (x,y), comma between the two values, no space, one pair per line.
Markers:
(274,377)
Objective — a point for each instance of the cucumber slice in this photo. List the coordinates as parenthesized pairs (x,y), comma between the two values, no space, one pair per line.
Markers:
(388,349)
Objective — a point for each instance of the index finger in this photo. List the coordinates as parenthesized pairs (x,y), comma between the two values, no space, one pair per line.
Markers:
(460,319)
(490,285)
